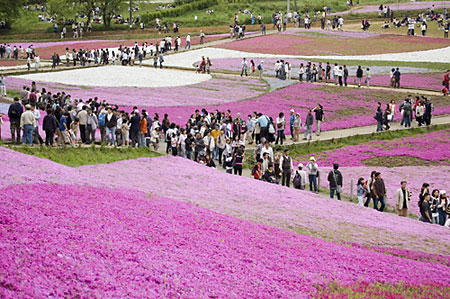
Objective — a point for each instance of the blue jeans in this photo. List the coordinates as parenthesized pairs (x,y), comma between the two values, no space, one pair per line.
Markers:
(379,126)
(407,121)
(332,190)
(313,181)
(442,216)
(110,133)
(375,203)
(142,139)
(308,130)
(27,137)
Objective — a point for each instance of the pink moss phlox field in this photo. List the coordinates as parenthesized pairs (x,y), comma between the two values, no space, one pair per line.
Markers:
(78,241)
(219,90)
(344,108)
(431,81)
(313,43)
(433,147)
(330,34)
(397,6)
(291,209)
(415,176)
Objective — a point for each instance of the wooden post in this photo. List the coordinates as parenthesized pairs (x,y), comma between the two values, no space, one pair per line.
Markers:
(351,189)
(318,180)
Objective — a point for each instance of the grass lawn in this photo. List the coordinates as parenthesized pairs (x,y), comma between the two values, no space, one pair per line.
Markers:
(85,155)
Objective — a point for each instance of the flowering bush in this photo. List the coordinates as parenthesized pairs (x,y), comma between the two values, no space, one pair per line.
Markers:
(416,80)
(436,176)
(294,44)
(428,147)
(398,6)
(218,90)
(291,209)
(70,241)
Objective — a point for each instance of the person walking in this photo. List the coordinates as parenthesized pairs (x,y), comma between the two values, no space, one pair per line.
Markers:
(244,67)
(286,168)
(359,75)
(402,198)
(281,125)
(2,86)
(397,76)
(368,77)
(361,191)
(291,122)
(299,180)
(14,114)
(188,42)
(406,109)
(379,117)
(379,193)
(313,172)
(335,180)
(308,125)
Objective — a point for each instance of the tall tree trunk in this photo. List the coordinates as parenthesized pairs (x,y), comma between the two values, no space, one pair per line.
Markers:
(295,5)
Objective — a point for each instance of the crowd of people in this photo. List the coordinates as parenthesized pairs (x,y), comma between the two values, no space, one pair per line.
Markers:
(215,139)
(421,108)
(411,23)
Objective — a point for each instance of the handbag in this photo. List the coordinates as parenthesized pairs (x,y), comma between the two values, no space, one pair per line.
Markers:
(338,187)
(447,210)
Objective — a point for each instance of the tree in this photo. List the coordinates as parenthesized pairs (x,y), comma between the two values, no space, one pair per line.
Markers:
(60,8)
(86,7)
(10,10)
(109,8)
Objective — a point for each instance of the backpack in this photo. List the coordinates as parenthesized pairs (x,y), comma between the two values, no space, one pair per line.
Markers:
(297,180)
(102,119)
(259,67)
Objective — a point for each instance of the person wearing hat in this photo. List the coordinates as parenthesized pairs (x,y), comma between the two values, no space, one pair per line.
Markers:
(335,181)
(299,180)
(27,122)
(313,172)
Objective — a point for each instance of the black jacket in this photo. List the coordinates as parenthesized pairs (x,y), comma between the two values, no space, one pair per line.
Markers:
(135,124)
(50,123)
(333,181)
(112,122)
(15,112)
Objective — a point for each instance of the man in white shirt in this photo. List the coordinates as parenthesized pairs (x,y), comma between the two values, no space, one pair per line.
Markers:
(82,119)
(188,42)
(244,67)
(267,149)
(37,116)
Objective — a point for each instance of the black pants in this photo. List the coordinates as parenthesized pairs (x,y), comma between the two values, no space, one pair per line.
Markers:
(367,202)
(286,178)
(238,169)
(134,137)
(265,133)
(83,133)
(220,155)
(49,137)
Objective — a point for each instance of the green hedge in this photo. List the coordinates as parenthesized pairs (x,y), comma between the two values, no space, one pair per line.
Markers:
(179,10)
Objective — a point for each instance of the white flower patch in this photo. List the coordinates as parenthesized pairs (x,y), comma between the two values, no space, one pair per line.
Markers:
(114,76)
(187,59)
(24,66)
